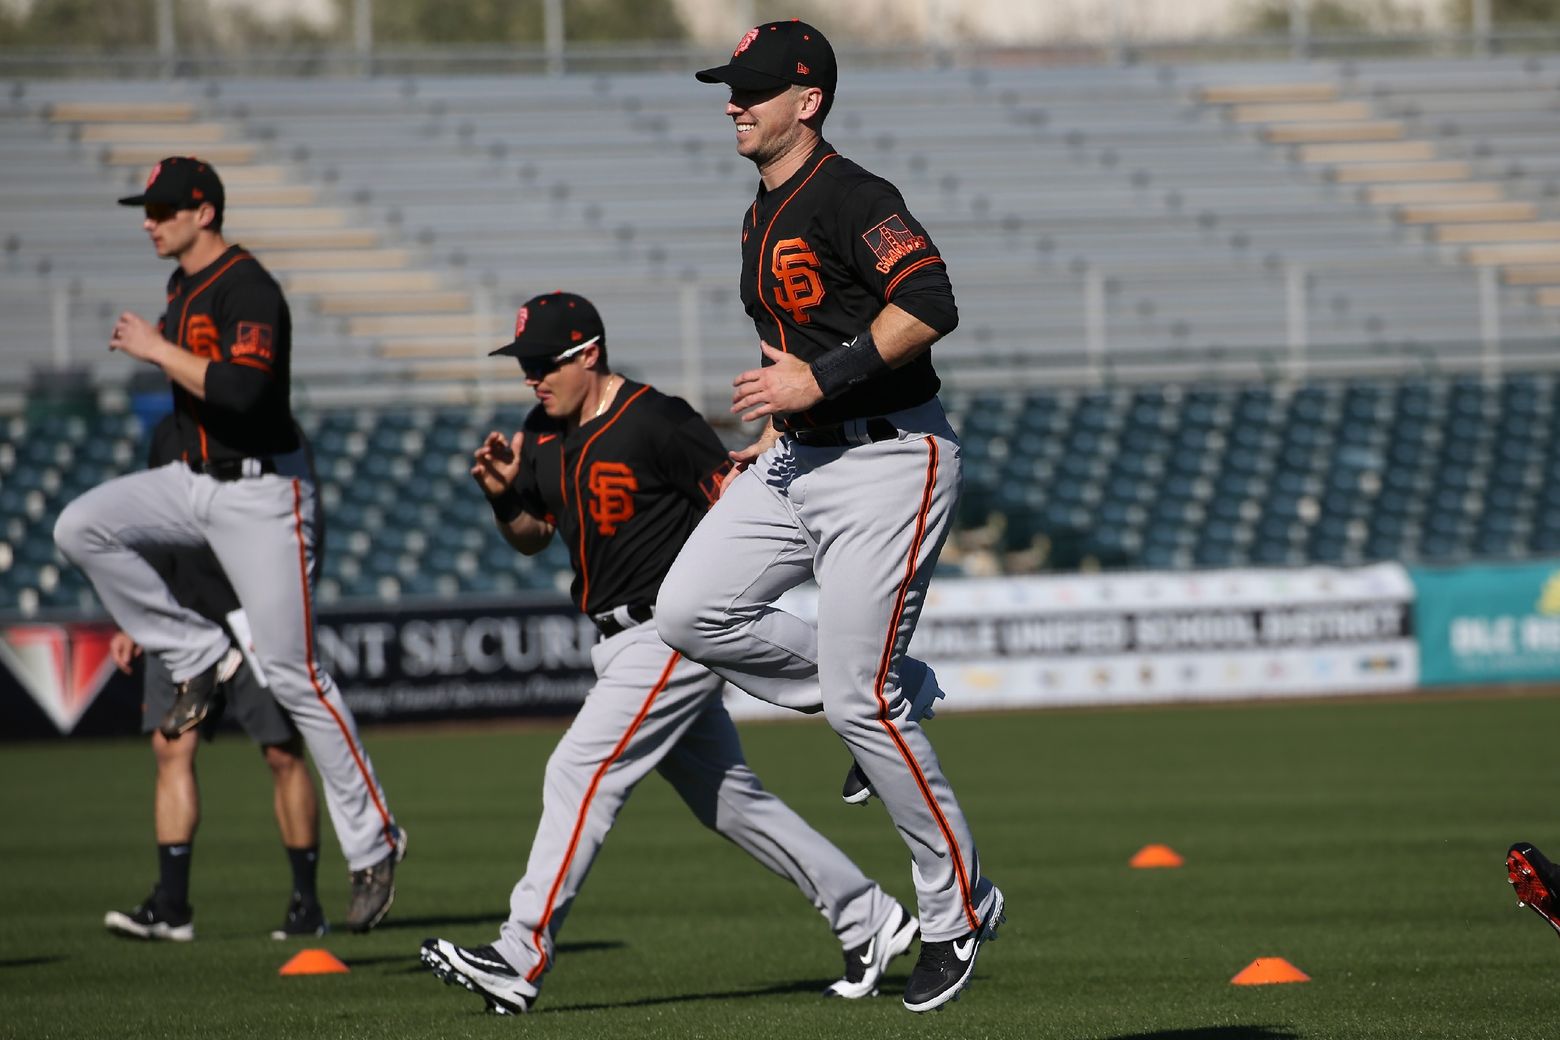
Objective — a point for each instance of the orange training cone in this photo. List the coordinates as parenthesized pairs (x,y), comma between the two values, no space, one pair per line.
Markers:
(1151,856)
(314,962)
(1265,971)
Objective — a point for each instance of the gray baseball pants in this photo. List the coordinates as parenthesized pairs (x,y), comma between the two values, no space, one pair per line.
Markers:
(261,530)
(652,709)
(867,522)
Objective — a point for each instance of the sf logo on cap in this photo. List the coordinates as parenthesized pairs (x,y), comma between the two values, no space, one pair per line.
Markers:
(747,41)
(520,320)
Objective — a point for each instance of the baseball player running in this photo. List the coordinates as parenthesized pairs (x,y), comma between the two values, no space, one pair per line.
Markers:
(853,482)
(244,491)
(197,582)
(622,473)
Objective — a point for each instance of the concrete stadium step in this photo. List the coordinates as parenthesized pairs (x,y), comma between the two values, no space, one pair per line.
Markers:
(1531,274)
(301,238)
(1548,297)
(437,347)
(1367,173)
(418,325)
(1302,112)
(323,282)
(1467,212)
(247,176)
(1472,191)
(149,154)
(1529,231)
(280,218)
(120,112)
(1512,253)
(352,304)
(186,135)
(1262,93)
(1335,132)
(1375,151)
(269,195)
(338,260)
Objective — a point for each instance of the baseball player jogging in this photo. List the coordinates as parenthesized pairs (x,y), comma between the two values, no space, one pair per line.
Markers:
(197,583)
(243,490)
(622,473)
(852,483)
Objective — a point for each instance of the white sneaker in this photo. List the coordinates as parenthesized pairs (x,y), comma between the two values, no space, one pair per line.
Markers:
(481,970)
(865,964)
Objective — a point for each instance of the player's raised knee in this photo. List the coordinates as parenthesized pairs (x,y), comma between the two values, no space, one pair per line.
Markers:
(71,529)
(678,617)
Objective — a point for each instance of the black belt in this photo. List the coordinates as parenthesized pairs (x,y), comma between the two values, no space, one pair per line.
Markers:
(609,623)
(845,434)
(235,469)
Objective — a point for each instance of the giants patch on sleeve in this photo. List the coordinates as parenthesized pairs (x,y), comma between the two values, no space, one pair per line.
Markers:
(254,341)
(891,241)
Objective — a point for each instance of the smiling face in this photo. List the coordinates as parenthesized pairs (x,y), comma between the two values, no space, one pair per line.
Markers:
(771,125)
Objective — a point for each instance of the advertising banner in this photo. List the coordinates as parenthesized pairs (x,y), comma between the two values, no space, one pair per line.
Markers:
(1146,637)
(391,664)
(1489,624)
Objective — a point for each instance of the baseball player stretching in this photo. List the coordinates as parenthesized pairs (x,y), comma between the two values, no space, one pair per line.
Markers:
(244,491)
(622,473)
(853,483)
(197,582)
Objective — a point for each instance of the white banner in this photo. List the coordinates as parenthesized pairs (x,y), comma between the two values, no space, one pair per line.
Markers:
(1145,637)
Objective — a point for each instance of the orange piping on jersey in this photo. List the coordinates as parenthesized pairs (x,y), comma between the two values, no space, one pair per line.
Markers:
(579,821)
(314,674)
(889,292)
(763,245)
(184,317)
(252,363)
(579,499)
(970,913)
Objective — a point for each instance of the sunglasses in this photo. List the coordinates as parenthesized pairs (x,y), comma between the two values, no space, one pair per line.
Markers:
(157,212)
(541,368)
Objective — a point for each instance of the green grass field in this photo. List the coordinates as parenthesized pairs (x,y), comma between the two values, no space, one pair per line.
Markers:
(1363,841)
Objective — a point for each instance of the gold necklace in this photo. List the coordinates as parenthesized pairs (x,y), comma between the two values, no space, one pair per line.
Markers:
(606,397)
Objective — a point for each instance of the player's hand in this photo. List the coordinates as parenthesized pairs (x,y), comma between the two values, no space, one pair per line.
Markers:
(497,463)
(784,387)
(122,650)
(136,336)
(742,458)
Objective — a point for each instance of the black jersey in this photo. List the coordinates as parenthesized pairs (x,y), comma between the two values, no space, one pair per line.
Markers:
(233,313)
(624,490)
(821,256)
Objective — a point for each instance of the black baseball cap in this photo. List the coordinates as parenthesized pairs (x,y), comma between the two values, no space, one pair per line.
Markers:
(551,324)
(182,181)
(775,54)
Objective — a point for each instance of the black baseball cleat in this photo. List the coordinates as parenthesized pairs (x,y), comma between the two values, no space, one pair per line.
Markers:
(483,971)
(865,964)
(302,919)
(153,920)
(192,698)
(944,968)
(373,888)
(857,789)
(1536,880)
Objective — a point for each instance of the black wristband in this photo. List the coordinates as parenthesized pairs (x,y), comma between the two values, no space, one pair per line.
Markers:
(848,366)
(506,505)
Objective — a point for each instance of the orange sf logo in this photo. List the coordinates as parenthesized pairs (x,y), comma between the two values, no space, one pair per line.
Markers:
(800,288)
(612,485)
(200,336)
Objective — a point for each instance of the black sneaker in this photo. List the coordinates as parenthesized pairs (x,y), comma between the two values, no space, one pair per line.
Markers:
(1536,880)
(483,971)
(865,964)
(192,698)
(153,920)
(373,888)
(944,968)
(302,919)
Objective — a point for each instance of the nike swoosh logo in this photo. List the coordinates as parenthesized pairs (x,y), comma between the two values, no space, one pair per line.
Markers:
(866,955)
(545,438)
(964,950)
